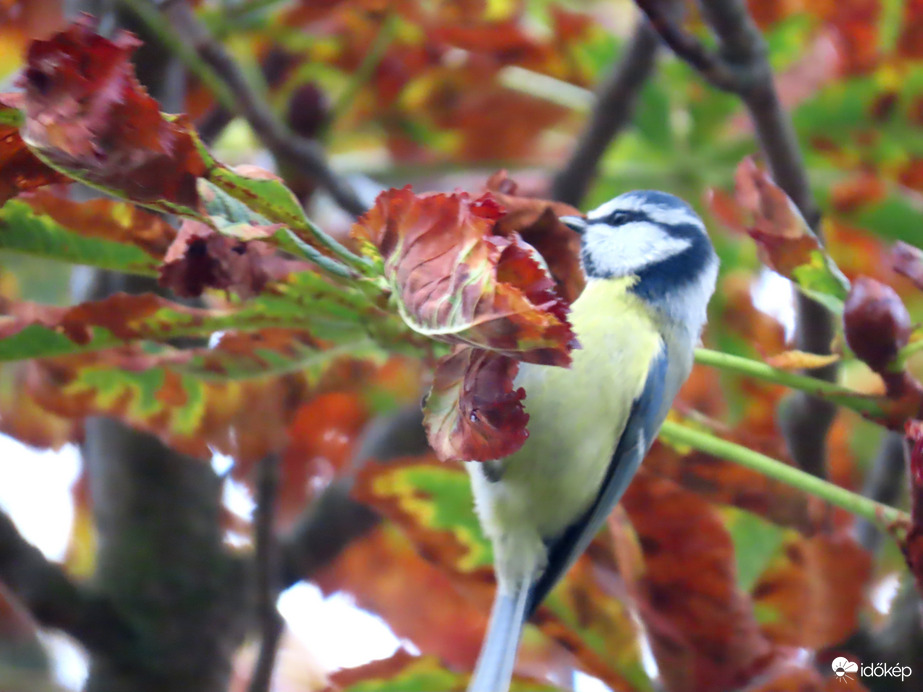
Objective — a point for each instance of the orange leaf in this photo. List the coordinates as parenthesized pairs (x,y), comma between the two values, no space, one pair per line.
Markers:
(104,218)
(801,360)
(701,627)
(805,607)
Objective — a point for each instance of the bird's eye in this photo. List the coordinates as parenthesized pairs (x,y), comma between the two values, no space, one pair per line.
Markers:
(618,218)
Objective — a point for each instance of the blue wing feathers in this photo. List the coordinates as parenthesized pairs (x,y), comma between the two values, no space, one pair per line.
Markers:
(647,413)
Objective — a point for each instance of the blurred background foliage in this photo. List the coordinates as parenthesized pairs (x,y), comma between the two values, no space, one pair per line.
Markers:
(713,577)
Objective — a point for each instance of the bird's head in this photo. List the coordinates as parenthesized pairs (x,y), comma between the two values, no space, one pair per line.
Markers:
(652,235)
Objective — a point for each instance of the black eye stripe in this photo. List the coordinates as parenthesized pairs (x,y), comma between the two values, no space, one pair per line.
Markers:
(620,217)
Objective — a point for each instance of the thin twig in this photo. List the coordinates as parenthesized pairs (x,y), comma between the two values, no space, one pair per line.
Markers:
(616,100)
(267,573)
(686,46)
(741,66)
(57,602)
(181,30)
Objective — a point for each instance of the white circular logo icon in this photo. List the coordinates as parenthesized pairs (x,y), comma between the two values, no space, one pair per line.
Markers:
(842,666)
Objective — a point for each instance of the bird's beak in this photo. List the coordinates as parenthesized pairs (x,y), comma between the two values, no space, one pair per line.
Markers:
(576,223)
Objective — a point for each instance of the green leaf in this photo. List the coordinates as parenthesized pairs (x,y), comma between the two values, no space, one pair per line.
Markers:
(432,503)
(24,230)
(270,198)
(755,543)
(822,280)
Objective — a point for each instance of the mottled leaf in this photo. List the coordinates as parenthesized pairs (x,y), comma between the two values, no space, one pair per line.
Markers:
(784,240)
(20,170)
(473,412)
(198,400)
(99,233)
(87,115)
(432,502)
(454,281)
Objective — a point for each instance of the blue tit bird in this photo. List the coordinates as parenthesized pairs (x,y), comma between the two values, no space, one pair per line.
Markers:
(651,270)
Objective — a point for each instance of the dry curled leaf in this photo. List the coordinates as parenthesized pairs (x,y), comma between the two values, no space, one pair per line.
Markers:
(456,281)
(537,221)
(201,258)
(473,412)
(85,112)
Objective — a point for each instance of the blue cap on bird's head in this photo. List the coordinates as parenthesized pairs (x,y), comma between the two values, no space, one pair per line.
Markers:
(647,233)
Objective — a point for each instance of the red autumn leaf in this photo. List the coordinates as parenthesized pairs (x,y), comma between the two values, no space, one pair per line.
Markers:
(20,170)
(682,576)
(202,258)
(804,607)
(536,220)
(87,113)
(473,413)
(457,282)
(913,544)
(908,261)
(782,236)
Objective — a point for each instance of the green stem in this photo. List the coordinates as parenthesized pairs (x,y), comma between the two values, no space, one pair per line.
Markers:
(875,512)
(291,242)
(154,20)
(861,403)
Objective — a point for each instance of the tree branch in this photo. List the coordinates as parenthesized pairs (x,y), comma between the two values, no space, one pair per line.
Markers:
(57,602)
(883,484)
(267,573)
(334,519)
(686,46)
(616,98)
(178,25)
(741,66)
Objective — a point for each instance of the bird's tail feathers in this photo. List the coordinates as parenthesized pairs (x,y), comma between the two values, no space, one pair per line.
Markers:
(494,669)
